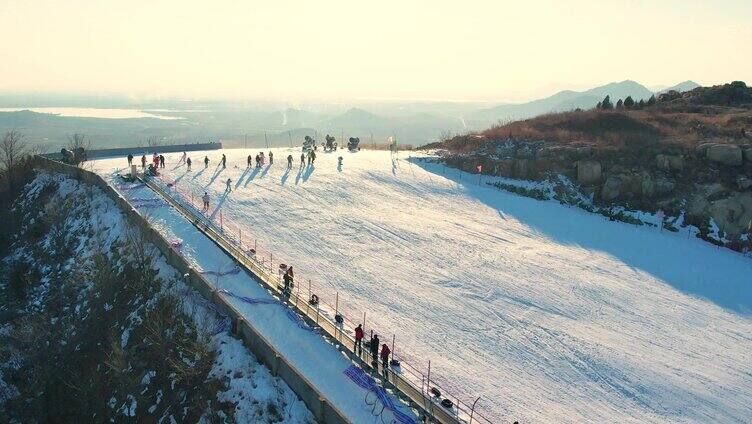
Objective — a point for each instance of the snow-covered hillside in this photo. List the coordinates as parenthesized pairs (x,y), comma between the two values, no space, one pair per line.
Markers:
(87,231)
(550,314)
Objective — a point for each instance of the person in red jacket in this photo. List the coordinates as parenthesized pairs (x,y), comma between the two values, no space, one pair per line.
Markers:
(385,357)
(358,340)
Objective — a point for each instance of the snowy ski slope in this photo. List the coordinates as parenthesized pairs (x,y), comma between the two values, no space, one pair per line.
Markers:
(550,314)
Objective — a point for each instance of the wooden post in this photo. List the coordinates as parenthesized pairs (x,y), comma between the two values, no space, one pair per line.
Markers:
(428,387)
(336,312)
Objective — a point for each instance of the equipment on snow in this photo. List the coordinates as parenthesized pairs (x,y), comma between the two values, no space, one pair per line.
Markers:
(352,144)
(308,143)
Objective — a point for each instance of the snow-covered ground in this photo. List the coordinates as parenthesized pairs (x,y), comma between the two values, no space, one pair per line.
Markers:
(249,386)
(549,313)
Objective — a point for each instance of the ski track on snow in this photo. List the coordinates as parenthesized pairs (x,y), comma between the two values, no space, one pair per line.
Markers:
(549,313)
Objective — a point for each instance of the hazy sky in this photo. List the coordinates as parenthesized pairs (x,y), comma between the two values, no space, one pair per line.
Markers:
(300,50)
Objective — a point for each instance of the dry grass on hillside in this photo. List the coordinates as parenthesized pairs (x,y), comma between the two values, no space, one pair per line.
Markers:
(621,128)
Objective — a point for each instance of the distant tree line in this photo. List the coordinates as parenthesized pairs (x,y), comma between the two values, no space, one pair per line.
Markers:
(626,104)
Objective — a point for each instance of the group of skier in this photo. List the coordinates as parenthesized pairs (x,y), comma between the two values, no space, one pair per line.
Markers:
(158,161)
(261,159)
(373,345)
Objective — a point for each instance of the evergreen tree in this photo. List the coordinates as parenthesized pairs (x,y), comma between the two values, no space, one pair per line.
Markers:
(629,103)
(651,100)
(606,103)
(640,104)
(619,105)
(598,106)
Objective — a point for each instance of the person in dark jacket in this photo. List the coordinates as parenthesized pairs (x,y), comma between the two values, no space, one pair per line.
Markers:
(224,161)
(289,161)
(130,160)
(302,160)
(206,161)
(288,279)
(385,357)
(249,161)
(313,158)
(188,162)
(143,161)
(161,161)
(375,351)
(271,158)
(358,348)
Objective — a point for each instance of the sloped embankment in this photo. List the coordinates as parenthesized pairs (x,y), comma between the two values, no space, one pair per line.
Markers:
(95,326)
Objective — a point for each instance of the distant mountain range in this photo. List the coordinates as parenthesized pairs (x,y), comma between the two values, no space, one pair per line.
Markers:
(412,122)
(568,100)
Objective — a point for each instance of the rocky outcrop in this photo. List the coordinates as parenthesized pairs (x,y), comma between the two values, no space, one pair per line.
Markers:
(743,183)
(748,154)
(670,162)
(589,172)
(732,213)
(640,185)
(727,154)
(613,188)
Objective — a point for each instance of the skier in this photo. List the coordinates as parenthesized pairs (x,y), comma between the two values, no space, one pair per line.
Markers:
(188,162)
(358,348)
(302,160)
(249,161)
(385,357)
(161,161)
(287,278)
(224,161)
(183,158)
(228,189)
(143,161)
(313,157)
(206,162)
(205,198)
(271,158)
(262,159)
(375,352)
(258,161)
(130,160)
(289,161)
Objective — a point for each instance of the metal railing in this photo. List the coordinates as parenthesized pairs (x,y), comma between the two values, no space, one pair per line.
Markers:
(416,385)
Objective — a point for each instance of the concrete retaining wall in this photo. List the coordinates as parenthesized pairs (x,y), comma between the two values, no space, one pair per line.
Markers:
(322,410)
(138,151)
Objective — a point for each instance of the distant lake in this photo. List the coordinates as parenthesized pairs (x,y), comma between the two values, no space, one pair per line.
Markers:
(84,112)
